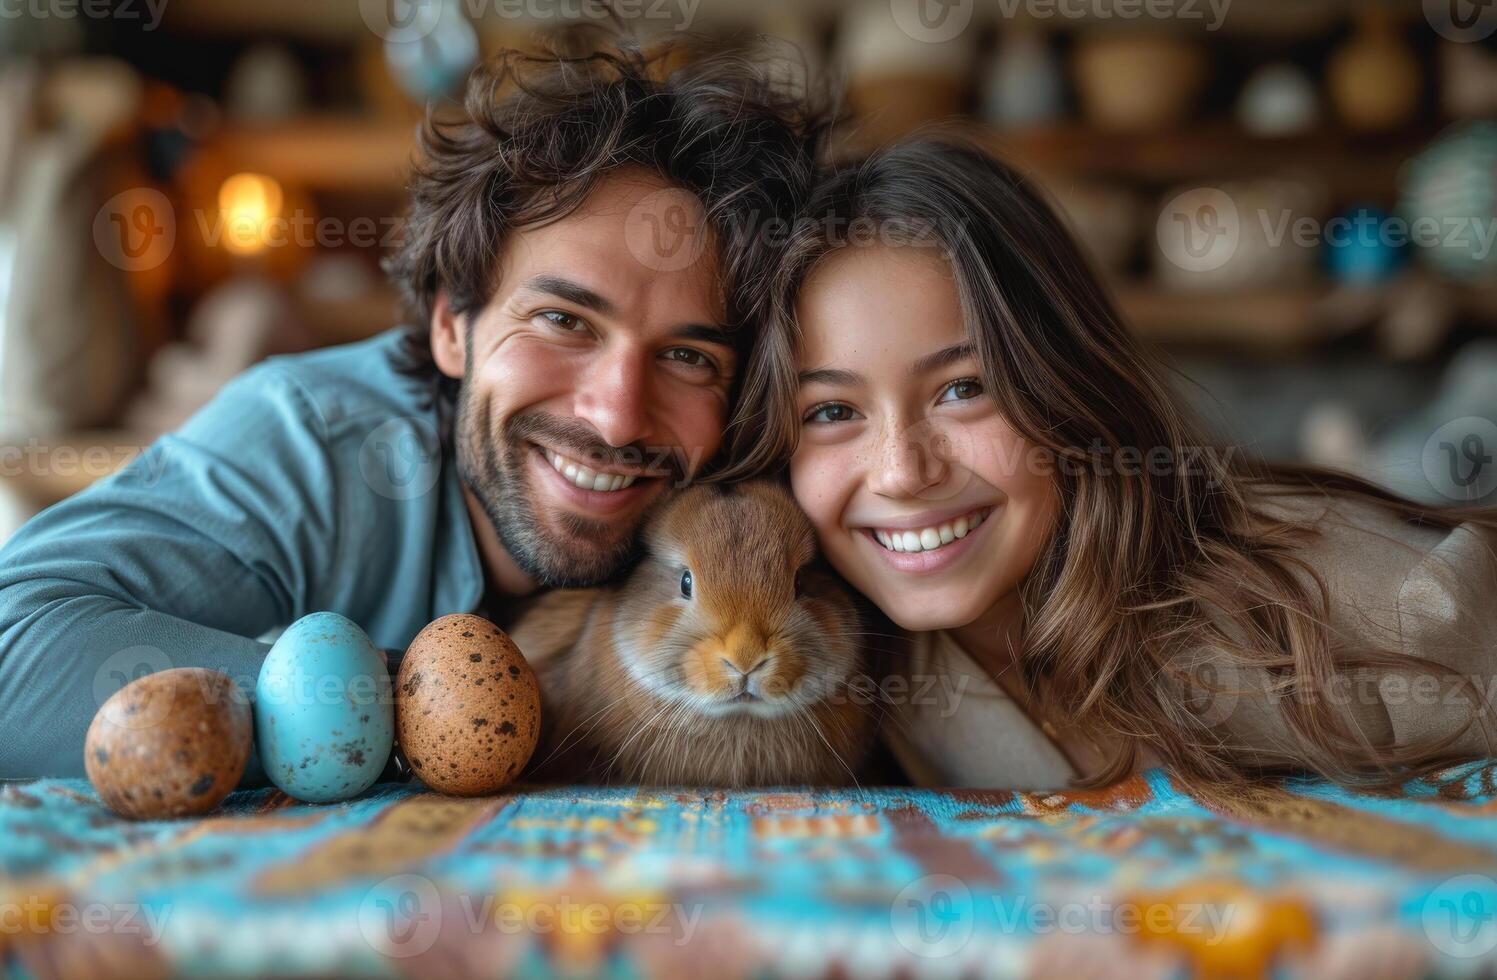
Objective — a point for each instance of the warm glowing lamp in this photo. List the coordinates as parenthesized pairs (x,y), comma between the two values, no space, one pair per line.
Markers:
(248,205)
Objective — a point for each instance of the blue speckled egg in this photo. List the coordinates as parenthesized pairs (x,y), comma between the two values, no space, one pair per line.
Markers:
(324,711)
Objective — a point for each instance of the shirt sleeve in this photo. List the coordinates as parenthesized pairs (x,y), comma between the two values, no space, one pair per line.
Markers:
(208,539)
(1415,591)
(1447,615)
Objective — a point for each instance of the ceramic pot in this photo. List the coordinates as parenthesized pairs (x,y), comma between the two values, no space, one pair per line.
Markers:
(1139,82)
(1374,80)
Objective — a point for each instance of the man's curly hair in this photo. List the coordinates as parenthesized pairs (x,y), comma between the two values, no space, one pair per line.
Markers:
(731,123)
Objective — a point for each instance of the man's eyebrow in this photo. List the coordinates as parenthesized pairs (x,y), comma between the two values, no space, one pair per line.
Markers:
(575,292)
(572,292)
(831,376)
(706,333)
(941,358)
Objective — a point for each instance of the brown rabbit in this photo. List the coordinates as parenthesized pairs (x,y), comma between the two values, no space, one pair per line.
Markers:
(724,658)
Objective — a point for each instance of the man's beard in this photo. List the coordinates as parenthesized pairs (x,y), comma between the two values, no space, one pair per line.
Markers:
(566,551)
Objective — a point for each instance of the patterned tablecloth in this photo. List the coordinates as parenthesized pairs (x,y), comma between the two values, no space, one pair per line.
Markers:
(1142,879)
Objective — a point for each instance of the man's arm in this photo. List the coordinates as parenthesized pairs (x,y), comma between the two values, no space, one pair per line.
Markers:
(207,540)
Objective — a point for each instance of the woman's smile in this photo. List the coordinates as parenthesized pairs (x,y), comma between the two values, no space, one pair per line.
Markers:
(925,545)
(928,534)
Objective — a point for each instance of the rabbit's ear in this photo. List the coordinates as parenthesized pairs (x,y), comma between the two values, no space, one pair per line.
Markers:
(666,525)
(766,490)
(773,504)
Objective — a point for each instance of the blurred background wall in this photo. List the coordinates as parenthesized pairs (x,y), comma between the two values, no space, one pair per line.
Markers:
(1296,200)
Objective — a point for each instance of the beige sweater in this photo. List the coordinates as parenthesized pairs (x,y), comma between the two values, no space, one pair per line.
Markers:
(1394,586)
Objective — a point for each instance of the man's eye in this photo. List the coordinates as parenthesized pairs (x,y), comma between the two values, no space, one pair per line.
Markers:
(832,412)
(685,355)
(960,391)
(562,321)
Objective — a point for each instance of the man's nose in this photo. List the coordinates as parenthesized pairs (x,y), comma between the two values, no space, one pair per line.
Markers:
(614,397)
(905,464)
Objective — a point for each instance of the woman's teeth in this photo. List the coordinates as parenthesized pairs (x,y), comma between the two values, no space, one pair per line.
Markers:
(931,538)
(585,478)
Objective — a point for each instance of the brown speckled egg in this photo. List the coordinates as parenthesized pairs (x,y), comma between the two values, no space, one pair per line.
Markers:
(170,744)
(467,706)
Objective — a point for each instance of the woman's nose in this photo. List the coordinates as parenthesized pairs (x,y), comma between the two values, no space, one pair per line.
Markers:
(908,461)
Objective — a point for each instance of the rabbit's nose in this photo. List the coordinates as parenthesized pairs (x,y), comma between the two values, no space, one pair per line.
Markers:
(741,667)
(743,651)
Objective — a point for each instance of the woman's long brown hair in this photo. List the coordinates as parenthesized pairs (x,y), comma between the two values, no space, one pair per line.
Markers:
(1147,567)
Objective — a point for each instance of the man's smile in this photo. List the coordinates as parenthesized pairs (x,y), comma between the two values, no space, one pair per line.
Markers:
(621,490)
(587,478)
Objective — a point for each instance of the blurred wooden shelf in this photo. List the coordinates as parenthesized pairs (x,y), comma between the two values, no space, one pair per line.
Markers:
(1478,301)
(1354,164)
(1266,320)
(374,154)
(340,153)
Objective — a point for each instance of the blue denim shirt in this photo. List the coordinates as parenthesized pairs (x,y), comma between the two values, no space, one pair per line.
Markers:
(315,481)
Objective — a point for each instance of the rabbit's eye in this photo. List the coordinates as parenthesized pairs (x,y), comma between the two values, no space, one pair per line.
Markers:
(686,583)
(800,583)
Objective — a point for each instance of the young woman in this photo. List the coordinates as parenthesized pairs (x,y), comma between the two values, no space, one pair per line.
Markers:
(1091,587)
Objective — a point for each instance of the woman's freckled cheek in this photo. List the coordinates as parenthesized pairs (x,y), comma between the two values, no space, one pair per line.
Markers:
(1008,456)
(986,454)
(821,481)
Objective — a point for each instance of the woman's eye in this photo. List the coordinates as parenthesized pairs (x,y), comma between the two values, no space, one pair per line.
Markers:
(834,412)
(565,322)
(960,391)
(687,585)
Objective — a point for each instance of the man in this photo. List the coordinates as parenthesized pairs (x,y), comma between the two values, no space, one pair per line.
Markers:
(581,252)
